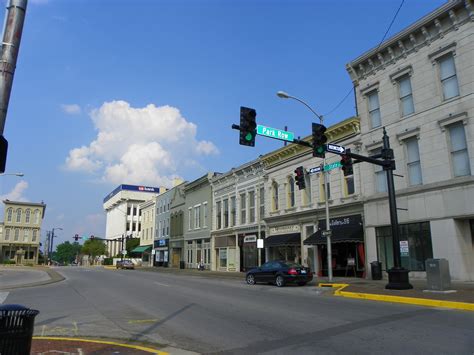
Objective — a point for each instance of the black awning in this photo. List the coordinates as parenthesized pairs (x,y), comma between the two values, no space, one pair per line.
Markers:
(347,234)
(283,240)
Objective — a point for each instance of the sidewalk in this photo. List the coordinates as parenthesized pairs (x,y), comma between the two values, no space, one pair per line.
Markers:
(51,276)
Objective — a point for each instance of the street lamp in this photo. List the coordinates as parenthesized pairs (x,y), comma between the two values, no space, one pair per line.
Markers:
(52,240)
(284,95)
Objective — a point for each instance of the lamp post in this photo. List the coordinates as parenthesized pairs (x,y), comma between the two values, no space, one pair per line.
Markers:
(284,95)
(52,240)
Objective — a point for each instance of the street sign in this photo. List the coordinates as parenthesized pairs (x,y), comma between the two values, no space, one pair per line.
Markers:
(404,250)
(331,166)
(314,170)
(275,133)
(327,233)
(334,148)
(124,251)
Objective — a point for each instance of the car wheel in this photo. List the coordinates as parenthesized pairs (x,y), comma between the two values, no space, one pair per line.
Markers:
(301,283)
(280,281)
(251,279)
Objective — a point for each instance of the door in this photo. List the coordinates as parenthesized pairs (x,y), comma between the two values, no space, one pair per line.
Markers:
(175,261)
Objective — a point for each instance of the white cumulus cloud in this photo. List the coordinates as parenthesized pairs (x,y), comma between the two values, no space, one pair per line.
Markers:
(148,145)
(16,194)
(72,109)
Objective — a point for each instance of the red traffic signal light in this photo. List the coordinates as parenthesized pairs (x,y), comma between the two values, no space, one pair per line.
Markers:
(248,126)
(346,163)
(319,140)
(300,178)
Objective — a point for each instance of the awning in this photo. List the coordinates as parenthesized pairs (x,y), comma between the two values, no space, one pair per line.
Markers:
(282,240)
(347,234)
(141,249)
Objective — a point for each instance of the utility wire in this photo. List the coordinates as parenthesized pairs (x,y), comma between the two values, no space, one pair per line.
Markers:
(383,39)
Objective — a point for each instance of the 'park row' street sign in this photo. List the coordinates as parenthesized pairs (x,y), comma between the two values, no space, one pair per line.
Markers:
(275,133)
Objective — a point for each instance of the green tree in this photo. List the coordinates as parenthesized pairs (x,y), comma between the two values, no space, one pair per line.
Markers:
(93,247)
(67,252)
(132,244)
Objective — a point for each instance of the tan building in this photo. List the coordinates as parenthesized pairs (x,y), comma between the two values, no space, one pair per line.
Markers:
(20,231)
(148,230)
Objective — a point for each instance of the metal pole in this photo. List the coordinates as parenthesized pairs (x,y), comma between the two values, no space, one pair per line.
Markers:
(121,251)
(326,204)
(13,28)
(51,245)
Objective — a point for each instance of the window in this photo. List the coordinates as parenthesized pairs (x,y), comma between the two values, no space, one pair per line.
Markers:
(226,213)
(290,192)
(406,95)
(449,80)
(218,215)
(9,214)
(350,188)
(251,206)
(17,234)
(128,210)
(380,176)
(190,218)
(307,191)
(204,214)
(197,217)
(159,229)
(37,216)
(223,257)
(275,196)
(413,161)
(18,215)
(243,208)
(7,234)
(262,202)
(26,235)
(374,109)
(459,155)
(27,216)
(418,236)
(232,211)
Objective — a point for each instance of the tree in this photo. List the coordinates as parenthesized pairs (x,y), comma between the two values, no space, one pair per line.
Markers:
(93,247)
(66,252)
(132,244)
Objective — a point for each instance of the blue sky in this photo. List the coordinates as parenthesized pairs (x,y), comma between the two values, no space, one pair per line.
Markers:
(119,91)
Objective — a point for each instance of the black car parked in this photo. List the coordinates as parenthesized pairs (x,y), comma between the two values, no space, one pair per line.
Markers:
(280,273)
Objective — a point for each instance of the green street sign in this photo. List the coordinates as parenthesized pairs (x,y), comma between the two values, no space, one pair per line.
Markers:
(275,133)
(334,165)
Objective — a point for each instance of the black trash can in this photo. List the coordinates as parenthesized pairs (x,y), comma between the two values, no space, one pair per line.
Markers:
(376,269)
(16,328)
(182,265)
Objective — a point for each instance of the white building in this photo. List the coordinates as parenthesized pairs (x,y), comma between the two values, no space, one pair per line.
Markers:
(123,214)
(419,84)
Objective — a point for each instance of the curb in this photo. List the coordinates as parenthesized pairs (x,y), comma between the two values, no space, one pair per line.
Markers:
(54,277)
(398,299)
(136,347)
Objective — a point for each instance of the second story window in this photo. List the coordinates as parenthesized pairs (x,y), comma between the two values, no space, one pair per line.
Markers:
(449,80)
(251,206)
(204,214)
(17,234)
(7,234)
(290,193)
(218,215)
(323,191)
(33,238)
(243,208)
(197,217)
(275,206)
(406,95)
(262,202)
(9,214)
(459,153)
(190,219)
(26,235)
(226,213)
(413,161)
(349,182)
(374,109)
(18,215)
(233,212)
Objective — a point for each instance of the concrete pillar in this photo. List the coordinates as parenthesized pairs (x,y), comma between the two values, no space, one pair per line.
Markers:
(370,249)
(237,252)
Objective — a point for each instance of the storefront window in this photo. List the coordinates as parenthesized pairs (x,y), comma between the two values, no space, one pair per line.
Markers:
(420,248)
(223,257)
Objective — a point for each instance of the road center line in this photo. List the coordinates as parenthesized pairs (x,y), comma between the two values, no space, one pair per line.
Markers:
(161,284)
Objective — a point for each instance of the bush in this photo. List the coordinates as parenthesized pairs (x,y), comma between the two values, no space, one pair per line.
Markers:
(108,261)
(9,262)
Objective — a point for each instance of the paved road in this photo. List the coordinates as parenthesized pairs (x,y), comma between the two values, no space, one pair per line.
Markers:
(229,317)
(13,277)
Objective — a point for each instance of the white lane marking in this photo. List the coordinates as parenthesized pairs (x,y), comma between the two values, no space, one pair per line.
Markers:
(161,284)
(3,296)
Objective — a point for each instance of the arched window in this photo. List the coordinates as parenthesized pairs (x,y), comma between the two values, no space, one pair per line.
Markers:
(18,215)
(26,235)
(275,196)
(7,234)
(33,238)
(9,214)
(290,193)
(27,216)
(37,216)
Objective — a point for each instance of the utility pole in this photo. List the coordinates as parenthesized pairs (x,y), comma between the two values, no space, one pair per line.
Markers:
(12,30)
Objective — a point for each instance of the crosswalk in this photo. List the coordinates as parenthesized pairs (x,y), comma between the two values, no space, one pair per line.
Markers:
(3,296)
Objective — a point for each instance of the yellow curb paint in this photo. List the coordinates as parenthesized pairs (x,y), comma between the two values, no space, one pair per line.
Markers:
(142,321)
(110,267)
(399,299)
(137,347)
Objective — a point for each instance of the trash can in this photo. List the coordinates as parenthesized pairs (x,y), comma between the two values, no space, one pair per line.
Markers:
(437,274)
(16,328)
(181,264)
(376,269)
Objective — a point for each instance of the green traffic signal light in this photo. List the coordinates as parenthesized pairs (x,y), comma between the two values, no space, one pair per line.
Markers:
(249,137)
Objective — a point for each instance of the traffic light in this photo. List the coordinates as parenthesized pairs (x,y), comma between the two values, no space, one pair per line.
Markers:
(346,162)
(300,177)
(319,140)
(248,126)
(91,237)
(76,237)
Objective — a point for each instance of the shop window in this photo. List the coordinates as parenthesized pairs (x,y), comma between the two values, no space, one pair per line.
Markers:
(222,257)
(420,248)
